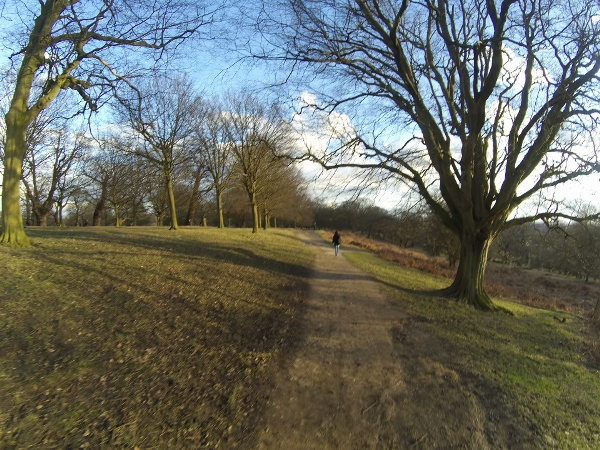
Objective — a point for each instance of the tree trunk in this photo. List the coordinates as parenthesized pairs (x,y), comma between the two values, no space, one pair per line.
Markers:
(468,285)
(42,218)
(98,210)
(117,216)
(260,217)
(134,213)
(58,218)
(255,215)
(172,208)
(194,198)
(100,204)
(13,232)
(28,213)
(220,209)
(266,218)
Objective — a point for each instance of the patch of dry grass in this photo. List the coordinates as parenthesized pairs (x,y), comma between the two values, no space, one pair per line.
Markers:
(532,288)
(541,290)
(530,371)
(141,337)
(406,257)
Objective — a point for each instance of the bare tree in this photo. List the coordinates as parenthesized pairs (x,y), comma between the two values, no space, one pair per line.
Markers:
(192,181)
(68,191)
(99,175)
(162,116)
(282,186)
(78,45)
(52,151)
(217,152)
(487,104)
(258,133)
(79,200)
(117,180)
(159,202)
(300,209)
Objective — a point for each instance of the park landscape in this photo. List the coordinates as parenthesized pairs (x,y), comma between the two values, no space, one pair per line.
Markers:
(188,297)
(139,337)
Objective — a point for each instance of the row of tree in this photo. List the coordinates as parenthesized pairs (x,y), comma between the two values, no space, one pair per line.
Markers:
(174,157)
(571,249)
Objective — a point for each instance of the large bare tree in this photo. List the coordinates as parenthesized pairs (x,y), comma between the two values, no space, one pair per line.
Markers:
(162,115)
(79,45)
(258,134)
(487,104)
(216,151)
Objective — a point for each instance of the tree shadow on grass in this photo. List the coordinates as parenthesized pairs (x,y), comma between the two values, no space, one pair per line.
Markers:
(191,249)
(173,361)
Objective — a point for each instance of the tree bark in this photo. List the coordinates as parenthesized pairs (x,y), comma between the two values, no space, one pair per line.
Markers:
(220,209)
(100,204)
(58,217)
(42,219)
(172,208)
(13,232)
(255,214)
(468,285)
(189,220)
(117,216)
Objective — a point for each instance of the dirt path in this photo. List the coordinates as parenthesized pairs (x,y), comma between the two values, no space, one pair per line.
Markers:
(366,377)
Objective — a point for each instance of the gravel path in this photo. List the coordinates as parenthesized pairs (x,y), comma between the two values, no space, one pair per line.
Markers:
(368,375)
(339,391)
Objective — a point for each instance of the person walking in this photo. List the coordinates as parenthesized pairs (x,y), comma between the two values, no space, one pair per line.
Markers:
(337,241)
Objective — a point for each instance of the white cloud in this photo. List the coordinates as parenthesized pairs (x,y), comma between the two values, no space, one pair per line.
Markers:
(513,71)
(324,135)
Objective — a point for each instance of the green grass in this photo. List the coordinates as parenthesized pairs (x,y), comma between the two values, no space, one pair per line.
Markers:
(531,363)
(143,337)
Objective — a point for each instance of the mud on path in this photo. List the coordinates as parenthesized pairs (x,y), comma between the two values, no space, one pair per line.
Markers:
(367,377)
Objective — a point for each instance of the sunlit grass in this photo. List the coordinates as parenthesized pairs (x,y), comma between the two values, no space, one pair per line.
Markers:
(143,337)
(533,360)
(117,338)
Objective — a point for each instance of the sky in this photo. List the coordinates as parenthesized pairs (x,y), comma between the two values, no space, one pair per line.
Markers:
(217,69)
(221,71)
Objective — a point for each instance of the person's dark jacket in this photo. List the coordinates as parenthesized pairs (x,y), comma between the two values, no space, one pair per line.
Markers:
(337,240)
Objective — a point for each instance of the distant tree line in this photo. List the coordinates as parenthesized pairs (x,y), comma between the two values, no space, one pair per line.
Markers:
(571,249)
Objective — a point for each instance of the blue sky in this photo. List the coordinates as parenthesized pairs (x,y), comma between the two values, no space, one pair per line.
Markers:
(216,68)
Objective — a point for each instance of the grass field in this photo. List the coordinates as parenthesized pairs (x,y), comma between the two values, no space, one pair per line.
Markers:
(141,337)
(536,362)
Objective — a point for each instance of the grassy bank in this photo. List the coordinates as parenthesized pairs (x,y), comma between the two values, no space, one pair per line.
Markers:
(530,287)
(141,337)
(531,371)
